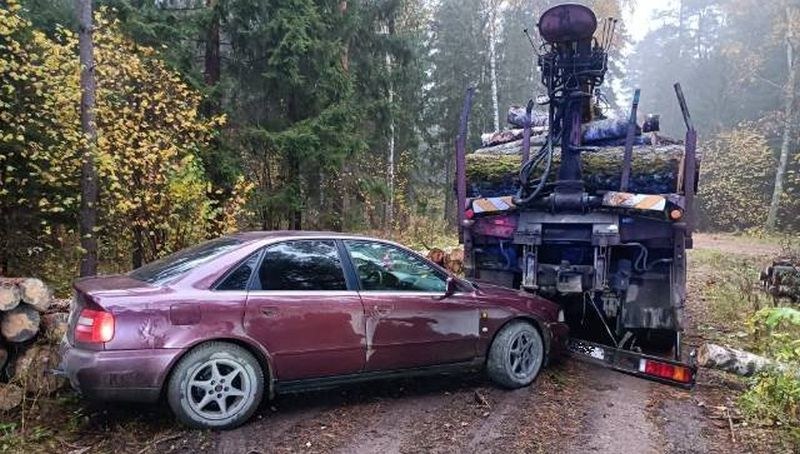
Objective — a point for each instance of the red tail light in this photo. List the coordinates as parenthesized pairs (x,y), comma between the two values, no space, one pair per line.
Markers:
(681,374)
(94,326)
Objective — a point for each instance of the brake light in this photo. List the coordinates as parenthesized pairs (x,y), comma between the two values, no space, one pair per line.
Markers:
(94,327)
(469,214)
(681,374)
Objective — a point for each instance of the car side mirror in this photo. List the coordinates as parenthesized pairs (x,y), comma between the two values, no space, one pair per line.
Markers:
(451,287)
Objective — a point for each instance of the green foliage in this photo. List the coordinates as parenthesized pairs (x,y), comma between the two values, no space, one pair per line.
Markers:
(154,194)
(774,396)
(734,196)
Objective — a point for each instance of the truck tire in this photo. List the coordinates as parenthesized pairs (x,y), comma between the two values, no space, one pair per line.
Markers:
(516,355)
(217,385)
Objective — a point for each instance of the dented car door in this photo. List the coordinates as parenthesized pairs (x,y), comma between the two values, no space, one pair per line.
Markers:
(410,321)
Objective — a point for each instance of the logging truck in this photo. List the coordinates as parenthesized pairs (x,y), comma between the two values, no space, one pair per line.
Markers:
(597,218)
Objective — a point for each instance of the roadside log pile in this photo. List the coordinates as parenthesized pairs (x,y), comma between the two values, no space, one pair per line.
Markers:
(781,279)
(452,260)
(31,328)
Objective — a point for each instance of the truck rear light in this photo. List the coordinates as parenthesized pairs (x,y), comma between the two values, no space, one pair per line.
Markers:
(94,327)
(681,374)
(469,214)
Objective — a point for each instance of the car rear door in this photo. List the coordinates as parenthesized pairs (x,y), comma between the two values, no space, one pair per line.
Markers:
(303,310)
(410,323)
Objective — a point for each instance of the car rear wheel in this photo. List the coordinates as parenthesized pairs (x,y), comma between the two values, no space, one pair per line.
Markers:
(217,385)
(516,355)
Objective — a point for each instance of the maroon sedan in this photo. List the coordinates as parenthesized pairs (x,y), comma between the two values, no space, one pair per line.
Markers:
(215,327)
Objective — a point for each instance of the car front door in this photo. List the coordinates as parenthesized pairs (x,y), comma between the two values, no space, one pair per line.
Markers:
(301,308)
(410,322)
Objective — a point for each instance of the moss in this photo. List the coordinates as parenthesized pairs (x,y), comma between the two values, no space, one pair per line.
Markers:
(653,170)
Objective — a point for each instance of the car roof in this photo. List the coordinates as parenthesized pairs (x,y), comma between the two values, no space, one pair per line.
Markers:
(256,235)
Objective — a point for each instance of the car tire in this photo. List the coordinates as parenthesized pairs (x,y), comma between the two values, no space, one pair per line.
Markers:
(217,385)
(516,355)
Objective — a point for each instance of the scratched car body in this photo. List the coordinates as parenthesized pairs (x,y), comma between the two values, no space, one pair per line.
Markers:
(215,328)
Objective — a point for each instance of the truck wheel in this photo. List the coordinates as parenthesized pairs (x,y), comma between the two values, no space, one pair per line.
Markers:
(516,355)
(216,386)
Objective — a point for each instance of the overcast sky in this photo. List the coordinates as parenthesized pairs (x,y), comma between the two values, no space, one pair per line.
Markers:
(639,20)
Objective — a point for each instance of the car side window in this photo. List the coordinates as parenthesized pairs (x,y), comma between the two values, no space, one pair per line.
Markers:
(301,265)
(384,267)
(238,278)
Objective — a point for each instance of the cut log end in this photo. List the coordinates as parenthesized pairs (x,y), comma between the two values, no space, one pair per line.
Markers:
(10,296)
(20,324)
(10,396)
(36,293)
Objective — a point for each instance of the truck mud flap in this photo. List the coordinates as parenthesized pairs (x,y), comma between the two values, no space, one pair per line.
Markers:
(654,368)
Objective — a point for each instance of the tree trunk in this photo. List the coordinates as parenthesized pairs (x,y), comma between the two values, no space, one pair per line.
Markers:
(88,210)
(788,118)
(212,56)
(737,362)
(391,157)
(493,4)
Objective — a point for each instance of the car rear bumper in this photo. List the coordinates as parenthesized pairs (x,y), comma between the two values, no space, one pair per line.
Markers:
(116,375)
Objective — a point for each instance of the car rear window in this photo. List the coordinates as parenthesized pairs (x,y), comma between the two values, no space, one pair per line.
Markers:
(171,266)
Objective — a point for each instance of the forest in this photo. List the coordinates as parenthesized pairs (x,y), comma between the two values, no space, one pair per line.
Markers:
(215,115)
(131,129)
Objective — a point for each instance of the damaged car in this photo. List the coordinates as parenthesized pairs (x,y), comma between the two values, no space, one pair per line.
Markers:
(216,328)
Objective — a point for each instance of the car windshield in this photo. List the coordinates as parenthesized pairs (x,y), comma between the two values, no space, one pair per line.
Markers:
(171,266)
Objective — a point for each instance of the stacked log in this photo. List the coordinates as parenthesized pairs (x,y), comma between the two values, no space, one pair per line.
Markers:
(494,172)
(782,278)
(452,260)
(31,329)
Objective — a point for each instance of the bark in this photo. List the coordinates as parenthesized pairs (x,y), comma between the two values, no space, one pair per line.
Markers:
(391,158)
(788,119)
(55,326)
(89,190)
(10,297)
(738,362)
(3,356)
(493,5)
(32,370)
(20,324)
(10,396)
(212,55)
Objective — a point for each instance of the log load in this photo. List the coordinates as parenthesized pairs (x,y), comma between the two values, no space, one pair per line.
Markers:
(654,170)
(738,362)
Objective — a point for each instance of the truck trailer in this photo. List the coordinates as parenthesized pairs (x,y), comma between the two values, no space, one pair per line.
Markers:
(597,217)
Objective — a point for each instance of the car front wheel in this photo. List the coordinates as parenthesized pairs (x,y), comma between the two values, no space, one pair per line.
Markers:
(516,355)
(217,385)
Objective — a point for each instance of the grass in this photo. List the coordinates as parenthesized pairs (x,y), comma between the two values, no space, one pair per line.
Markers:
(729,285)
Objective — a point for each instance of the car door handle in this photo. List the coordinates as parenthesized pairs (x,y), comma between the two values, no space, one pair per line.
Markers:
(382,309)
(269,311)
